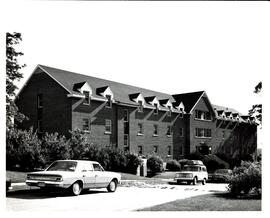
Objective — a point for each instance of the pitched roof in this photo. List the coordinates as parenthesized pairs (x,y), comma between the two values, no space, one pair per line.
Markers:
(226,109)
(188,99)
(121,91)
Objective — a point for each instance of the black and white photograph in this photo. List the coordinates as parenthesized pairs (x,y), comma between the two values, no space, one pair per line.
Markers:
(134,107)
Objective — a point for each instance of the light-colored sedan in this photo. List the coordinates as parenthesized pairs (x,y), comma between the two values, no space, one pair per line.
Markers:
(74,175)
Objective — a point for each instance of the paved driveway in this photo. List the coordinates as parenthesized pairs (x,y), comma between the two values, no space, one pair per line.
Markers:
(124,199)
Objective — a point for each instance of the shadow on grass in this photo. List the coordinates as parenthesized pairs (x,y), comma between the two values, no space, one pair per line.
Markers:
(229,196)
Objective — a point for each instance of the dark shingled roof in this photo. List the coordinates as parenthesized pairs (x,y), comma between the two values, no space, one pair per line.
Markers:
(226,109)
(188,99)
(121,91)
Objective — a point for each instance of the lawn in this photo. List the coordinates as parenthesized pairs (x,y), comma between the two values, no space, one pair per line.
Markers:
(210,202)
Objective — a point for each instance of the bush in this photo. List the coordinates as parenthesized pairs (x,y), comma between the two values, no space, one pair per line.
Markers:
(155,164)
(133,161)
(54,147)
(78,144)
(23,148)
(246,178)
(173,165)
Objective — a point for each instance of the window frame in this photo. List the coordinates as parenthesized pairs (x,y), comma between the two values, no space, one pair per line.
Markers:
(140,129)
(110,126)
(39,100)
(156,109)
(109,101)
(155,150)
(140,107)
(86,99)
(88,124)
(155,132)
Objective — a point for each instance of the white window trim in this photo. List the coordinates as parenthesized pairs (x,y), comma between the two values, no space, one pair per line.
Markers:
(108,132)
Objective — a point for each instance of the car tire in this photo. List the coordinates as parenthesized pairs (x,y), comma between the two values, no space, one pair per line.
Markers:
(195,181)
(204,181)
(76,188)
(112,186)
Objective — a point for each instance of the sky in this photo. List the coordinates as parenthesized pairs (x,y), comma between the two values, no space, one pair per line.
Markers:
(168,48)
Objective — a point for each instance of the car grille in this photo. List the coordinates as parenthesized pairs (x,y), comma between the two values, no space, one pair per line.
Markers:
(184,175)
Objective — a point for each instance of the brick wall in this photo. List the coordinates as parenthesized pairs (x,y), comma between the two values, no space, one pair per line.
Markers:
(56,105)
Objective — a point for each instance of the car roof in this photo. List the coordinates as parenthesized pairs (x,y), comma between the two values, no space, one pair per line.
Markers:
(80,161)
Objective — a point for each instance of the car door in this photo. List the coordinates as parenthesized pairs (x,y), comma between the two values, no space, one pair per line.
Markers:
(101,177)
(88,175)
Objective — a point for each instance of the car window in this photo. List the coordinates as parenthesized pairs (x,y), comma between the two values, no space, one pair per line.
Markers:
(87,167)
(97,167)
(63,166)
(191,168)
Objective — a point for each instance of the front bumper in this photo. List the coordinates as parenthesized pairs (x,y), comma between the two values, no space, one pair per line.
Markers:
(49,184)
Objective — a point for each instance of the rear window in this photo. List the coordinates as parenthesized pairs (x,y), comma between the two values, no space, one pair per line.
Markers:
(63,166)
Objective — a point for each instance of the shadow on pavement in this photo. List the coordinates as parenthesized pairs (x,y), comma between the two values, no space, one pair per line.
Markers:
(45,194)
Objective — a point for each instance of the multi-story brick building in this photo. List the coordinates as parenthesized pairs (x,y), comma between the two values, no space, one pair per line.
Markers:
(132,118)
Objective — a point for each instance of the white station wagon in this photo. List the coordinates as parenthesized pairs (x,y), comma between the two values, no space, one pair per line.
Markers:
(74,175)
(192,174)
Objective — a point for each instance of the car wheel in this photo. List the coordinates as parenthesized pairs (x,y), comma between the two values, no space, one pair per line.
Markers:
(76,188)
(195,181)
(112,186)
(204,181)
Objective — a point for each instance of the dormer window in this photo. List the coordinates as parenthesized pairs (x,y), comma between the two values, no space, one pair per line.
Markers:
(170,111)
(156,108)
(109,102)
(181,113)
(86,97)
(140,108)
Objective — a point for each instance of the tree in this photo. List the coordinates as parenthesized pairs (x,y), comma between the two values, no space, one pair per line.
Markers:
(13,74)
(256,110)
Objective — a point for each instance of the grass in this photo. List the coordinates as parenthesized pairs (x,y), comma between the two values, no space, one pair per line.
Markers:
(15,176)
(209,202)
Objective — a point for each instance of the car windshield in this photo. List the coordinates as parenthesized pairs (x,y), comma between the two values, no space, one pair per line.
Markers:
(191,168)
(63,166)
(223,171)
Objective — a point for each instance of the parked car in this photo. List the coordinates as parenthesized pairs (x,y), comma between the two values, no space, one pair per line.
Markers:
(221,175)
(192,173)
(74,175)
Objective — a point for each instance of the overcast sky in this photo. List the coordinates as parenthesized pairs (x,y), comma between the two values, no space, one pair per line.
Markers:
(172,48)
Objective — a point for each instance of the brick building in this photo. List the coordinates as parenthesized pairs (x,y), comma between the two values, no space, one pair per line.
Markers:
(132,118)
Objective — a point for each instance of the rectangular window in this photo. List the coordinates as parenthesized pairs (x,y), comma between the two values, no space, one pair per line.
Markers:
(156,109)
(155,149)
(140,128)
(86,97)
(40,126)
(40,100)
(108,126)
(181,132)
(126,128)
(125,139)
(169,130)
(155,129)
(109,102)
(169,150)
(170,111)
(203,133)
(140,150)
(140,108)
(125,115)
(86,124)
(203,115)
(181,115)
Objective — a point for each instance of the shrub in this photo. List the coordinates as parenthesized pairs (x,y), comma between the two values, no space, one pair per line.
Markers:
(23,148)
(133,161)
(155,164)
(78,144)
(246,178)
(54,147)
(173,165)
